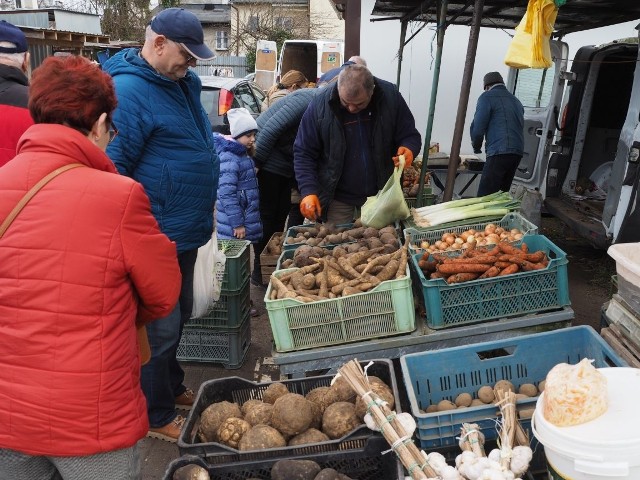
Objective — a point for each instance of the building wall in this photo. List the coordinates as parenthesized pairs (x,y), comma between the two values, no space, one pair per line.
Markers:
(326,24)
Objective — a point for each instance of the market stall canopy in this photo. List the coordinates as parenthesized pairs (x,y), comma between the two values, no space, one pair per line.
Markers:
(573,16)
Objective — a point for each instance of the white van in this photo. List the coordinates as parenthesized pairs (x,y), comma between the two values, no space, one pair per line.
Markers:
(311,57)
(582,142)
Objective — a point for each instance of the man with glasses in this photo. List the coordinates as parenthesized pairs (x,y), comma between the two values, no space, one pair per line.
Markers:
(165,143)
(347,144)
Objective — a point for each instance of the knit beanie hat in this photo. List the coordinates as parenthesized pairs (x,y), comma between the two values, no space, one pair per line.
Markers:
(492,78)
(241,122)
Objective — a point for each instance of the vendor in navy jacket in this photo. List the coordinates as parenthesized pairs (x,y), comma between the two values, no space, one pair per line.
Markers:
(348,142)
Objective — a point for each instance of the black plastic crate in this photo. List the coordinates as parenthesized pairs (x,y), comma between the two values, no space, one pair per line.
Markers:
(239,390)
(368,464)
(227,347)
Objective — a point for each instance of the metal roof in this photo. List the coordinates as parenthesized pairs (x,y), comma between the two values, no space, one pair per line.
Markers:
(573,16)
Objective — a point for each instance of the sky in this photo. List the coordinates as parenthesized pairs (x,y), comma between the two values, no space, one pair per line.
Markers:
(379,45)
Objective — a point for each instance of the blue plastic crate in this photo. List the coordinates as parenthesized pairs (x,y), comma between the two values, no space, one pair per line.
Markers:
(367,464)
(227,347)
(236,267)
(433,376)
(497,297)
(230,311)
(239,390)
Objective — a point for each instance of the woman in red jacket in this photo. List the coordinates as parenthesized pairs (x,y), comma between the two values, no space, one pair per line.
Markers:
(79,265)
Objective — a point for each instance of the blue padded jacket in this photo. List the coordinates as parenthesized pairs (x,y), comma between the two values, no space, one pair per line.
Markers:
(238,196)
(165,142)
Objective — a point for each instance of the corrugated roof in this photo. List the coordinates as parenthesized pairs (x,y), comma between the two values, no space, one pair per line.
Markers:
(573,16)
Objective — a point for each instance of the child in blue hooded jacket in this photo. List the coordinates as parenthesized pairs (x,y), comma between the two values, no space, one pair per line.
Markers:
(238,208)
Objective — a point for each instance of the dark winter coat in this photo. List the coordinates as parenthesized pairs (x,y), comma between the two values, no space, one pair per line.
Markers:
(278,127)
(320,149)
(499,118)
(238,202)
(165,143)
(14,114)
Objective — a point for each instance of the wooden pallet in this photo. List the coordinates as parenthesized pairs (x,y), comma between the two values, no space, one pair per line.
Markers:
(622,346)
(268,261)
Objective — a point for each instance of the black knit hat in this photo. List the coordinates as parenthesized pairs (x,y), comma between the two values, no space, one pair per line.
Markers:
(492,78)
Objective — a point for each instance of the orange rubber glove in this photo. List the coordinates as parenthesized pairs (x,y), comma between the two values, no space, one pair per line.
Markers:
(310,207)
(408,157)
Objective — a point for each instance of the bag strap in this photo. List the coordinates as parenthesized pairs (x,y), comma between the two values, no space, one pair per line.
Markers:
(32,191)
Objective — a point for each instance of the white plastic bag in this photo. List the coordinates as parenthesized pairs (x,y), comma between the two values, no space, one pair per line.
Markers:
(207,277)
(388,205)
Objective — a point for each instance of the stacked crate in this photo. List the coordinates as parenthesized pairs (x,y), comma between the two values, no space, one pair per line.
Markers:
(223,335)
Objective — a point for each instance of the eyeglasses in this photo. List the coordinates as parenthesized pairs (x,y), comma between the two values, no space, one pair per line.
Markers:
(113,133)
(188,58)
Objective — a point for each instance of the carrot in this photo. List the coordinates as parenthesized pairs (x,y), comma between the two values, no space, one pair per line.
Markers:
(524,247)
(479,259)
(492,272)
(529,257)
(389,271)
(347,267)
(529,266)
(461,277)
(281,288)
(427,266)
(452,268)
(359,257)
(436,275)
(513,268)
(324,279)
(508,248)
(502,265)
(381,260)
(404,259)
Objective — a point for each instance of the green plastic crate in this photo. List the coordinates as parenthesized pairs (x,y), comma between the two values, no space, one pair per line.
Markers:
(381,312)
(428,198)
(224,346)
(409,223)
(236,268)
(509,221)
(497,297)
(231,309)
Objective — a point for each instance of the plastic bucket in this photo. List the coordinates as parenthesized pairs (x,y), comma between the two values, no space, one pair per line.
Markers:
(607,447)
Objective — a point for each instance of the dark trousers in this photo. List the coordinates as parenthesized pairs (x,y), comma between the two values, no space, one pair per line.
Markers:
(275,206)
(498,173)
(162,377)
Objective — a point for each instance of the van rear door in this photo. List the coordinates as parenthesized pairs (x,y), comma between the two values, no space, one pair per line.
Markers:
(266,63)
(331,57)
(540,91)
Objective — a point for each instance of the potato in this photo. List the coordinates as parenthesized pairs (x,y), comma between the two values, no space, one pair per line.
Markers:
(191,472)
(528,389)
(312,435)
(521,396)
(232,430)
(249,404)
(334,239)
(388,239)
(463,400)
(260,437)
(213,416)
(294,470)
(339,252)
(485,393)
(431,409)
(505,385)
(475,402)
(339,419)
(292,414)
(526,413)
(343,391)
(273,392)
(322,396)
(374,242)
(541,386)
(370,232)
(259,413)
(328,474)
(444,405)
(388,229)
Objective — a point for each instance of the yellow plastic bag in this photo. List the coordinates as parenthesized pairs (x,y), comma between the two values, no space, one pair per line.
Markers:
(529,47)
(388,205)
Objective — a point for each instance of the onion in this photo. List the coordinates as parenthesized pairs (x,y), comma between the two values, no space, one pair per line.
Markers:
(450,239)
(490,228)
(424,244)
(518,236)
(459,241)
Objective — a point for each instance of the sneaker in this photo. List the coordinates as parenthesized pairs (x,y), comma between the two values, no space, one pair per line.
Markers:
(170,432)
(185,400)
(257,282)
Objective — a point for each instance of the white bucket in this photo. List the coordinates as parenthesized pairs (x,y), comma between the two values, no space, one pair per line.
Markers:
(607,447)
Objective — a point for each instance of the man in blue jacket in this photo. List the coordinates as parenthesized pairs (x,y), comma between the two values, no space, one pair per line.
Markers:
(165,142)
(499,119)
(348,142)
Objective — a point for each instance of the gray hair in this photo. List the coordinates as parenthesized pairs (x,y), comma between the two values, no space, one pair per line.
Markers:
(353,79)
(358,60)
(14,59)
(149,35)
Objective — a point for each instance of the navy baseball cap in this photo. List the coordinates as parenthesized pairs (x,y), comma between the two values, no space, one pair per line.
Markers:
(12,34)
(182,27)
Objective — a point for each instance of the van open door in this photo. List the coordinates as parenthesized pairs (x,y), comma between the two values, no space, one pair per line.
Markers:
(332,56)
(266,63)
(540,91)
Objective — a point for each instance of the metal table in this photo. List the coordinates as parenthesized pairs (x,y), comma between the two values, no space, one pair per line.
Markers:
(295,364)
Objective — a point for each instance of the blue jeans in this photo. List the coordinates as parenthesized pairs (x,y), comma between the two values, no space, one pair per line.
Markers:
(162,377)
(498,173)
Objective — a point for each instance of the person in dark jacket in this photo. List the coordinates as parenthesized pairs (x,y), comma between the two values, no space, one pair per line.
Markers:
(349,140)
(499,120)
(14,91)
(278,127)
(332,75)
(165,142)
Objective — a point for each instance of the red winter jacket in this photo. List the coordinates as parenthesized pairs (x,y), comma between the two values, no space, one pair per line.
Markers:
(81,261)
